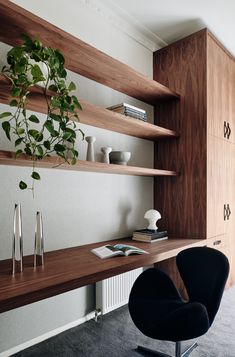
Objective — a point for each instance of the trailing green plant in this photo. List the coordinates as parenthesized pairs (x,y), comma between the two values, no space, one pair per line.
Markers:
(53,135)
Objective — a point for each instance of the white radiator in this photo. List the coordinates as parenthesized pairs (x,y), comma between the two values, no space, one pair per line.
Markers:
(114,292)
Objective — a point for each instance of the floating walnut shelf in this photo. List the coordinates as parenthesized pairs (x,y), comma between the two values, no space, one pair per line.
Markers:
(8,158)
(79,56)
(93,115)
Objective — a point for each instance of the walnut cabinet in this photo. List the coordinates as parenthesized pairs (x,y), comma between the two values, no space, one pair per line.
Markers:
(200,203)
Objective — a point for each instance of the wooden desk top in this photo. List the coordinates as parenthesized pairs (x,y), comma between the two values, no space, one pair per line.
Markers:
(71,268)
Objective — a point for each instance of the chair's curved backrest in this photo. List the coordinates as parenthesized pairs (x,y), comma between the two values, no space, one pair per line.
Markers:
(153,283)
(204,272)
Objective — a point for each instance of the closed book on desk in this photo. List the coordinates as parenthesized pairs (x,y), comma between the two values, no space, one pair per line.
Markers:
(149,240)
(149,234)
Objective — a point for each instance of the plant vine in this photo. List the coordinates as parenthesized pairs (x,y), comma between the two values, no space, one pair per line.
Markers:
(29,65)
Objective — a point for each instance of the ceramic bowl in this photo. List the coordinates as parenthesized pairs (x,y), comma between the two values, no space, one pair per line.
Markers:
(119,157)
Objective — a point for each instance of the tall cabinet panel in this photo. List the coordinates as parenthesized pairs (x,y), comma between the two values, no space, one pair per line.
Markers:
(201,201)
(182,202)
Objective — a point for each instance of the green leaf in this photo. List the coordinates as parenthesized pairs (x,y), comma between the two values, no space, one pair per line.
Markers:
(82,133)
(63,73)
(53,88)
(67,135)
(27,41)
(73,161)
(20,131)
(36,135)
(34,119)
(71,132)
(16,91)
(18,141)
(62,125)
(75,152)
(59,56)
(18,153)
(22,185)
(13,103)
(72,86)
(47,145)
(76,102)
(49,126)
(40,150)
(37,44)
(59,148)
(5,114)
(7,128)
(36,71)
(55,117)
(28,150)
(35,175)
(55,102)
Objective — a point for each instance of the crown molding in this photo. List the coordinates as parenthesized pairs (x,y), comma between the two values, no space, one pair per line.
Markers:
(125,23)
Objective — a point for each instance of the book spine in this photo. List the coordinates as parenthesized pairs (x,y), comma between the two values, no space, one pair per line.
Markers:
(135,111)
(125,106)
(137,116)
(150,236)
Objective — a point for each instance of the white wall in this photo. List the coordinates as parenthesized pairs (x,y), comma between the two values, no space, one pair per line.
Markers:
(77,208)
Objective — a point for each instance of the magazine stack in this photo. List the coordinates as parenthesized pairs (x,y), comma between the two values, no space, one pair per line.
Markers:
(149,235)
(130,111)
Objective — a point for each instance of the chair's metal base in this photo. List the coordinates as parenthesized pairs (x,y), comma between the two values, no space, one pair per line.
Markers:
(178,353)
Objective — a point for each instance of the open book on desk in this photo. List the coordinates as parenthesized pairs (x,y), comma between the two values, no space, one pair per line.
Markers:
(107,251)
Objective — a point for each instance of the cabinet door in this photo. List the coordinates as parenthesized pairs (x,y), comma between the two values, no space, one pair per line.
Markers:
(218,90)
(217,186)
(232,101)
(232,215)
(221,243)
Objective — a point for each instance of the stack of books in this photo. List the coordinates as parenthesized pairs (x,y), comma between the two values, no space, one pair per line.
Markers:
(130,111)
(149,235)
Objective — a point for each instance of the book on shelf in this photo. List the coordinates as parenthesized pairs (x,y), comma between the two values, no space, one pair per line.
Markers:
(108,251)
(129,110)
(149,235)
(125,105)
(124,110)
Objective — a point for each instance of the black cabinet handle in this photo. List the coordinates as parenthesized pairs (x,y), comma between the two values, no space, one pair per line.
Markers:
(225,129)
(217,242)
(229,211)
(225,213)
(229,131)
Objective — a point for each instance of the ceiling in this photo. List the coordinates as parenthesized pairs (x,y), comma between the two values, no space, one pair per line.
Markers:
(171,20)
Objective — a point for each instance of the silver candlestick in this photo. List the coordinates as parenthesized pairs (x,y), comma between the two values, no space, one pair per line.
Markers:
(17,247)
(39,241)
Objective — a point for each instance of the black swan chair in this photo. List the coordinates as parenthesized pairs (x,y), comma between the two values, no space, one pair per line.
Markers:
(158,310)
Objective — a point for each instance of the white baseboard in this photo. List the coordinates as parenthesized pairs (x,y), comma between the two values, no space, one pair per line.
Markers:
(47,335)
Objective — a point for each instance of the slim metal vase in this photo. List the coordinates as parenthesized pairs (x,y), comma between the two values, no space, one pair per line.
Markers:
(17,247)
(39,241)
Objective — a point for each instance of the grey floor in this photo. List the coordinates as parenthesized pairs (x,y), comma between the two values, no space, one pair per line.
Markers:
(116,336)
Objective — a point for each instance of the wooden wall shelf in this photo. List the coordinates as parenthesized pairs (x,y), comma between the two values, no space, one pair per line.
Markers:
(79,56)
(8,158)
(93,115)
(71,268)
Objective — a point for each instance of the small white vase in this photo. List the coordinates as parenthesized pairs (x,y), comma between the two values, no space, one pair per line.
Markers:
(106,150)
(90,148)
